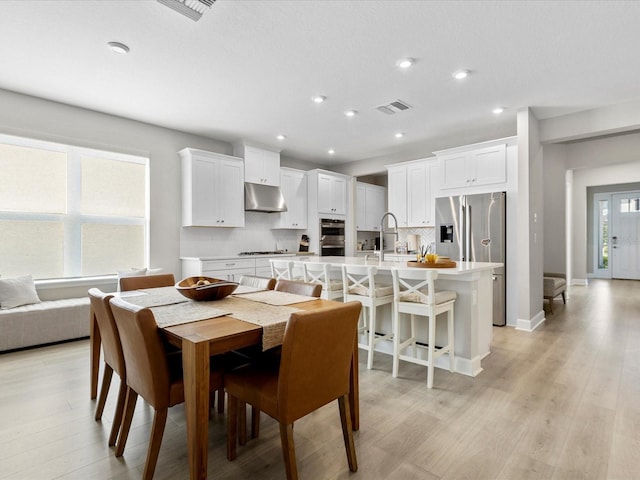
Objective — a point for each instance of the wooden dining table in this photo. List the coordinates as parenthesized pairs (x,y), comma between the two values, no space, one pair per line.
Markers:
(200,340)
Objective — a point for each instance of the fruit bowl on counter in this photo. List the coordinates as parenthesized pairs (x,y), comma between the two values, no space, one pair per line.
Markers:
(205,288)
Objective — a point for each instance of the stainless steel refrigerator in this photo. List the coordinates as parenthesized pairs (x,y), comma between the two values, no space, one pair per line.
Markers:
(472,228)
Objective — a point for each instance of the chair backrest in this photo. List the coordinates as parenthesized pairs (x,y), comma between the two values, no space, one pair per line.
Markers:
(144,352)
(358,280)
(147,281)
(316,358)
(111,347)
(414,284)
(317,273)
(281,269)
(300,288)
(258,282)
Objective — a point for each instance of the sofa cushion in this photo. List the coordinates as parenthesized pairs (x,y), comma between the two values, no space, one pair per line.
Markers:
(18,291)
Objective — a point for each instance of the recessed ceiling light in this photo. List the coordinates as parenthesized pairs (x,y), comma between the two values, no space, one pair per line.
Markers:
(405,62)
(351,113)
(460,74)
(498,110)
(331,151)
(119,48)
(319,98)
(399,135)
(281,137)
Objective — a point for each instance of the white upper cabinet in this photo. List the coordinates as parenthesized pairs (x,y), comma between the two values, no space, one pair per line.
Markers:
(411,193)
(293,184)
(212,189)
(397,192)
(474,167)
(370,206)
(332,194)
(260,165)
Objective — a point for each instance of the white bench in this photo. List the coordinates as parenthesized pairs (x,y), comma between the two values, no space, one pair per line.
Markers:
(46,322)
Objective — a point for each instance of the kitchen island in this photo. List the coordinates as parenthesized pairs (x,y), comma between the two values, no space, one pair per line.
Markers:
(472,282)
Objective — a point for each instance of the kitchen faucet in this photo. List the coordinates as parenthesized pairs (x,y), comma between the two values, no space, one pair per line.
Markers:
(382,232)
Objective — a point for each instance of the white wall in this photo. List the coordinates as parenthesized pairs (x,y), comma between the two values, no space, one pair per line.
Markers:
(554,239)
(32,117)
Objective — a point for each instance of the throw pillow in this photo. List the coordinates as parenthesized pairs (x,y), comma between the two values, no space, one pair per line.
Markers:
(15,292)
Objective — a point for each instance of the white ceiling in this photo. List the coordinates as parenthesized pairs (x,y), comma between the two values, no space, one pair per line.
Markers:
(248,69)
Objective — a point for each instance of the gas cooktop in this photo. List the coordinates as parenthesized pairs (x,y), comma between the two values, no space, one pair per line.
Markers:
(275,252)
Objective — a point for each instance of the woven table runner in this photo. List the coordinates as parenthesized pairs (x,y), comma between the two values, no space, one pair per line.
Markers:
(273,297)
(186,312)
(273,319)
(153,297)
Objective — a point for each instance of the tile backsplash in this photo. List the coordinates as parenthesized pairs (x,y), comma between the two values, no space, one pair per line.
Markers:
(427,236)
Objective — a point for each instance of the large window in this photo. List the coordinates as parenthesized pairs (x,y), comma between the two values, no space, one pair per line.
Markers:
(70,212)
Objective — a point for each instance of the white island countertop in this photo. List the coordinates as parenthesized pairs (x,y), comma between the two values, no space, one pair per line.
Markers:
(461,268)
(473,284)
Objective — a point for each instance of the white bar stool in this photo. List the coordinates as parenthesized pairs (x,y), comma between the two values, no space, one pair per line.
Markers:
(281,269)
(321,273)
(359,285)
(415,294)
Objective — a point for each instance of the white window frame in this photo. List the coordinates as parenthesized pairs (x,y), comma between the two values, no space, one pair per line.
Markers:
(73,219)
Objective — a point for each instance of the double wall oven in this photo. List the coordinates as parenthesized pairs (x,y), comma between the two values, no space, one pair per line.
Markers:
(331,237)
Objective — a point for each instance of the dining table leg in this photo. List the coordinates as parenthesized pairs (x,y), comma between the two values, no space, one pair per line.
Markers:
(354,391)
(94,353)
(195,367)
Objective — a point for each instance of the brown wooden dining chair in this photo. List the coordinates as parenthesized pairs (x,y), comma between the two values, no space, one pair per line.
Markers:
(299,288)
(147,281)
(113,358)
(151,373)
(313,371)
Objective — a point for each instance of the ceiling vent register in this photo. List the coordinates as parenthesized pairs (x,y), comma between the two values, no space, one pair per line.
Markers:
(192,9)
(394,107)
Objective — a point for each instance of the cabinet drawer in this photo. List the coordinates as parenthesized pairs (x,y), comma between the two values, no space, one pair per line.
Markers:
(231,264)
(231,275)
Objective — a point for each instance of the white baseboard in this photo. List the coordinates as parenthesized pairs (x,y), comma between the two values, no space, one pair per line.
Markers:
(532,324)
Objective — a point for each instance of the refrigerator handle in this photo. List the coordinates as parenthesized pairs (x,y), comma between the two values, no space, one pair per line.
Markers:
(467,222)
(463,233)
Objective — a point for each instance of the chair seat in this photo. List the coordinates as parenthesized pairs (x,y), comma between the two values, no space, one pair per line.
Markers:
(335,285)
(381,291)
(440,297)
(553,285)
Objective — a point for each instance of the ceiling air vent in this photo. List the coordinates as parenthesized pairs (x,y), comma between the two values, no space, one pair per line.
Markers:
(393,107)
(192,9)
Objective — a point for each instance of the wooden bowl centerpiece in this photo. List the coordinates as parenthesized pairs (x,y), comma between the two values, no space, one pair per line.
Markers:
(205,288)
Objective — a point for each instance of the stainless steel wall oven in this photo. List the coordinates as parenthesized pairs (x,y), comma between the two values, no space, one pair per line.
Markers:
(331,237)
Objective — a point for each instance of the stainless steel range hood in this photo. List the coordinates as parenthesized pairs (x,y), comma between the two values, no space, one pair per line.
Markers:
(263,198)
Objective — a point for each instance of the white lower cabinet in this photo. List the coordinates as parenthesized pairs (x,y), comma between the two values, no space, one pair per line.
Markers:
(231,269)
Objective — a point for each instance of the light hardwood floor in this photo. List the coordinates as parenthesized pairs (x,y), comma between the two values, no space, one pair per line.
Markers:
(562,402)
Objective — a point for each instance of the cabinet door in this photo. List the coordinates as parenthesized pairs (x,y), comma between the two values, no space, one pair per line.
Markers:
(488,165)
(332,194)
(374,206)
(361,201)
(339,195)
(294,189)
(203,194)
(271,167)
(261,166)
(453,169)
(230,198)
(397,193)
(418,191)
(253,165)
